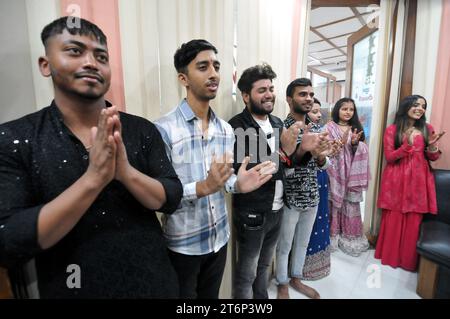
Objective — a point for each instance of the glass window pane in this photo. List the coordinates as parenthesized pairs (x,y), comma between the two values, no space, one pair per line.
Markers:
(363,78)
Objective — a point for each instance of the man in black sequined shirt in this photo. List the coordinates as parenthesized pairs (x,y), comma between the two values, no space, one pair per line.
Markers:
(80,182)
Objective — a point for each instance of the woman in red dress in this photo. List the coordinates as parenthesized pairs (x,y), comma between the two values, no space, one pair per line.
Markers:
(407,189)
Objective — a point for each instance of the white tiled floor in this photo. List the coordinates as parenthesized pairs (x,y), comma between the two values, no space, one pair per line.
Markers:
(360,277)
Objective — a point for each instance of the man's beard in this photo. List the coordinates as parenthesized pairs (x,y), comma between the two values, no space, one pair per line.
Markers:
(259,110)
(298,109)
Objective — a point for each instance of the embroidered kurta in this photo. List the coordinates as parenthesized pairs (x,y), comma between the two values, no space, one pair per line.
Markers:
(407,183)
(407,192)
(349,177)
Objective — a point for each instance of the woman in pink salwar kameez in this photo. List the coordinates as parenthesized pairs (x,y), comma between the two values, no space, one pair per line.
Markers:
(349,177)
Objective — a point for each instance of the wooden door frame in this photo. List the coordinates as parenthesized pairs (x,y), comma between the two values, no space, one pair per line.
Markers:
(408,60)
(408,55)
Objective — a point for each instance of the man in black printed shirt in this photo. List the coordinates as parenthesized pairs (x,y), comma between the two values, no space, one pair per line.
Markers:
(302,194)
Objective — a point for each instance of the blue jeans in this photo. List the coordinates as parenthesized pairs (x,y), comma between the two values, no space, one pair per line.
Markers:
(296,227)
(257,236)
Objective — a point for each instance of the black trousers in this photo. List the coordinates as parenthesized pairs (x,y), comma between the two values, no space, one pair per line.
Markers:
(199,276)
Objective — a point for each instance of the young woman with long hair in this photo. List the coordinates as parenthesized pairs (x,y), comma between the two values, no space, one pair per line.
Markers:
(407,188)
(349,177)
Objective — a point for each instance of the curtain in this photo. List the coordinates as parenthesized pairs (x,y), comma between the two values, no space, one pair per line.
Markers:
(426,49)
(151,31)
(39,14)
(440,113)
(275,32)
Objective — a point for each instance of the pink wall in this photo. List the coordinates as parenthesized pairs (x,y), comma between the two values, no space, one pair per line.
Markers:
(440,112)
(105,14)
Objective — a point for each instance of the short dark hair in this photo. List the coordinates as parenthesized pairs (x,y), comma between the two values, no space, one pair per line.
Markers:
(253,74)
(297,82)
(316,101)
(188,51)
(84,27)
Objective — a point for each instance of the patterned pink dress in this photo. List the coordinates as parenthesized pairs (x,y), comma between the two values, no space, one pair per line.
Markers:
(349,177)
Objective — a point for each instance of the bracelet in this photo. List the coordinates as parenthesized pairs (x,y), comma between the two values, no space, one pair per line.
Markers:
(284,157)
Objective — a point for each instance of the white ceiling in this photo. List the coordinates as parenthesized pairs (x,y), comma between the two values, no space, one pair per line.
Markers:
(320,16)
(341,41)
(339,28)
(328,35)
(313,37)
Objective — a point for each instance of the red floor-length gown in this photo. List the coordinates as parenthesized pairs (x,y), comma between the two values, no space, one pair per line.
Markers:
(407,192)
